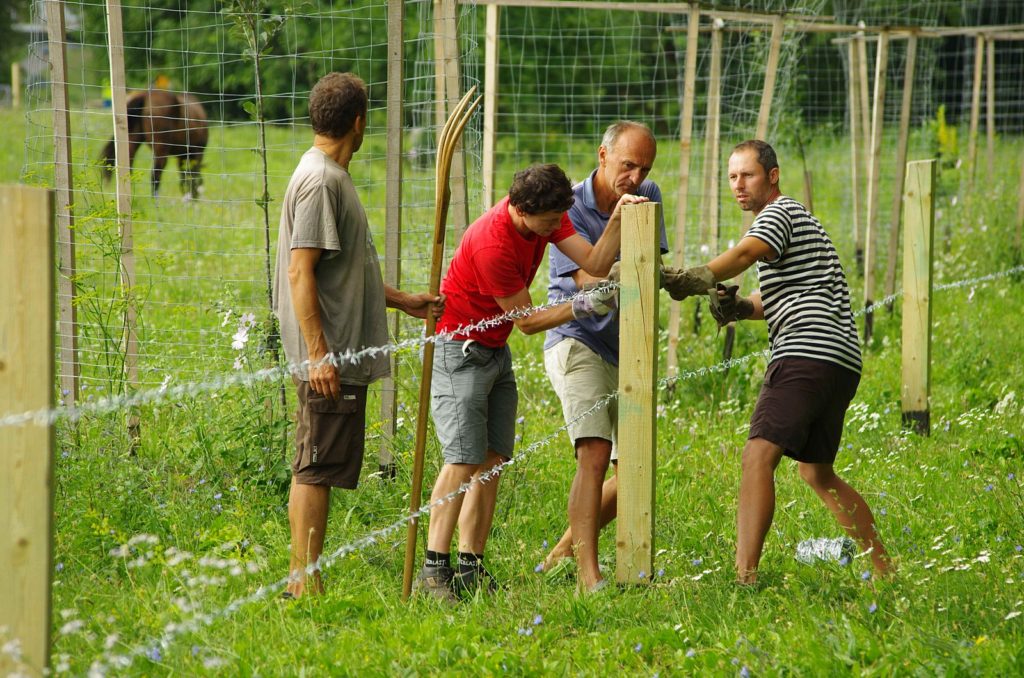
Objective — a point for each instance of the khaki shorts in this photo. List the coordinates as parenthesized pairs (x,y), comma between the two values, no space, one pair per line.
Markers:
(581,378)
(330,437)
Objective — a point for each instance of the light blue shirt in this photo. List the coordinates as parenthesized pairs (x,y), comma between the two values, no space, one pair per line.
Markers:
(599,333)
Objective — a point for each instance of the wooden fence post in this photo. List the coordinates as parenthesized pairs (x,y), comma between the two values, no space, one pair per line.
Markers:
(712,131)
(972,135)
(69,365)
(392,226)
(491,45)
(15,85)
(901,160)
(449,92)
(874,177)
(638,370)
(1020,208)
(683,192)
(856,162)
(990,108)
(26,451)
(919,219)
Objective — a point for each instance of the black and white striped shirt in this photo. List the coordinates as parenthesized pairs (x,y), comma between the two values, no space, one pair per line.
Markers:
(804,291)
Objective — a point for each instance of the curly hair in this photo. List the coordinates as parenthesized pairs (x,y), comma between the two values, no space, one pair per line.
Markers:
(541,188)
(336,101)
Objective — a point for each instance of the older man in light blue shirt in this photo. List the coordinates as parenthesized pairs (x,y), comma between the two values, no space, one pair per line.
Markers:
(582,357)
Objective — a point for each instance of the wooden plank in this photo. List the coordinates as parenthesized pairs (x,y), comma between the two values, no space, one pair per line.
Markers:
(491,38)
(856,162)
(638,371)
(683,190)
(919,217)
(15,85)
(26,452)
(447,25)
(865,104)
(712,140)
(70,370)
(118,99)
(990,108)
(392,225)
(596,5)
(874,181)
(972,135)
(901,160)
(770,72)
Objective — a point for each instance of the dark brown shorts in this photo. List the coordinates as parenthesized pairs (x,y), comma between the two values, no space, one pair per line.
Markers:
(330,437)
(802,406)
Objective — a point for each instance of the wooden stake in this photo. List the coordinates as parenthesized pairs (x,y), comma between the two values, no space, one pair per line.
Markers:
(447,46)
(874,176)
(638,370)
(711,143)
(901,160)
(808,190)
(990,109)
(683,192)
(119,107)
(69,366)
(865,113)
(972,136)
(919,215)
(392,225)
(1020,208)
(15,85)
(26,451)
(491,44)
(855,154)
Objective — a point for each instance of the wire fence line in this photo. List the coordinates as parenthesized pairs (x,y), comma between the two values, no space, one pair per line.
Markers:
(109,404)
(172,631)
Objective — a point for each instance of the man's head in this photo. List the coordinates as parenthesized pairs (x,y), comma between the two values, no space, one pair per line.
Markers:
(540,194)
(337,106)
(625,157)
(754,175)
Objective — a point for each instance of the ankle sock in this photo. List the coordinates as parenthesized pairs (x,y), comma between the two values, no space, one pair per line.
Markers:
(469,562)
(438,559)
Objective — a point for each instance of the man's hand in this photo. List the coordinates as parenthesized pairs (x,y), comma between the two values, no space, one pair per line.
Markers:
(681,284)
(625,199)
(596,300)
(417,305)
(323,377)
(726,307)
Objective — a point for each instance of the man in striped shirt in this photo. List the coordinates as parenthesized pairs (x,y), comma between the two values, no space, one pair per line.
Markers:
(815,363)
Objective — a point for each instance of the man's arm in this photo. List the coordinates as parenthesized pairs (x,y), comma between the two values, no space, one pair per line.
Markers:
(597,259)
(539,321)
(416,305)
(739,258)
(323,378)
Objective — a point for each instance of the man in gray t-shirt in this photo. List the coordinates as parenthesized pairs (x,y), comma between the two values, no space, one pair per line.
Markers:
(329,299)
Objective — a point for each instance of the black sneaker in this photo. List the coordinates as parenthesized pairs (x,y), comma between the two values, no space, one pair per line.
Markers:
(469,582)
(437,583)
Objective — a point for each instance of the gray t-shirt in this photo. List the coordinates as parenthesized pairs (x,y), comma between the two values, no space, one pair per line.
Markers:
(321,210)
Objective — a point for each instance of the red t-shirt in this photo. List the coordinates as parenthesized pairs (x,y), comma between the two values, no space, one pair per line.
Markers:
(493,260)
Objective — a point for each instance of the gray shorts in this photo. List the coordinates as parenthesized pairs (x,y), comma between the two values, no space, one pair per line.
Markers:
(473,400)
(581,378)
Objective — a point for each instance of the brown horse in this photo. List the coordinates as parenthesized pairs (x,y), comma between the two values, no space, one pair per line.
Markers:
(173,125)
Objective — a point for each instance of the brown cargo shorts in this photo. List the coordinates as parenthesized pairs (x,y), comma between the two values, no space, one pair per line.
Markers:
(802,406)
(330,437)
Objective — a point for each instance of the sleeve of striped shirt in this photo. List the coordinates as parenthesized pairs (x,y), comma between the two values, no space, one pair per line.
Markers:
(773,225)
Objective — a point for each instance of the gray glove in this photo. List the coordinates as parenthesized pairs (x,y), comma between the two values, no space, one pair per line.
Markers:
(596,299)
(613,274)
(726,307)
(681,284)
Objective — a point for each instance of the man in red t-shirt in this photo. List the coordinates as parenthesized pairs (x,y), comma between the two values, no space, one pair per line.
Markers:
(473,391)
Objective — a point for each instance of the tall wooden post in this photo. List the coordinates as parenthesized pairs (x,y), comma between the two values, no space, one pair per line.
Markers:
(119,107)
(972,135)
(856,151)
(491,43)
(901,160)
(865,108)
(712,141)
(15,85)
(449,92)
(69,366)
(26,452)
(874,176)
(683,192)
(990,108)
(638,370)
(392,225)
(1020,208)
(919,216)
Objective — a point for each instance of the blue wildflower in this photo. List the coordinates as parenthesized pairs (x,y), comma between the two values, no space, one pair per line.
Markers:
(872,608)
(865,575)
(537,620)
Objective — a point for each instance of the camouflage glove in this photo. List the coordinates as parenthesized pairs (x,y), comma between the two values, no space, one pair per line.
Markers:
(726,307)
(596,299)
(681,284)
(613,274)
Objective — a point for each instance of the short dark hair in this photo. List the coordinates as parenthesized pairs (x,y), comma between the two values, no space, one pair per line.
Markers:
(541,188)
(336,101)
(765,153)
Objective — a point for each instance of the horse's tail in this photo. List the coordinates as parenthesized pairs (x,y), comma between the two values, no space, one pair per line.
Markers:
(108,156)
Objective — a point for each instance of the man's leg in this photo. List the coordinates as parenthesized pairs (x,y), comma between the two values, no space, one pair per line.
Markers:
(850,510)
(756,505)
(475,521)
(593,455)
(307,516)
(445,516)
(609,502)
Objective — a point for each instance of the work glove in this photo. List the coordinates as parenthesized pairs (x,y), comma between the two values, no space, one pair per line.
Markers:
(681,284)
(726,307)
(596,299)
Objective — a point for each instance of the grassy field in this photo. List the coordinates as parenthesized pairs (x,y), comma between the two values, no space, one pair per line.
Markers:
(152,549)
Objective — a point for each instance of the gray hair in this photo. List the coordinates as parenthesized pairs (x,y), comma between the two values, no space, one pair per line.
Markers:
(615,130)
